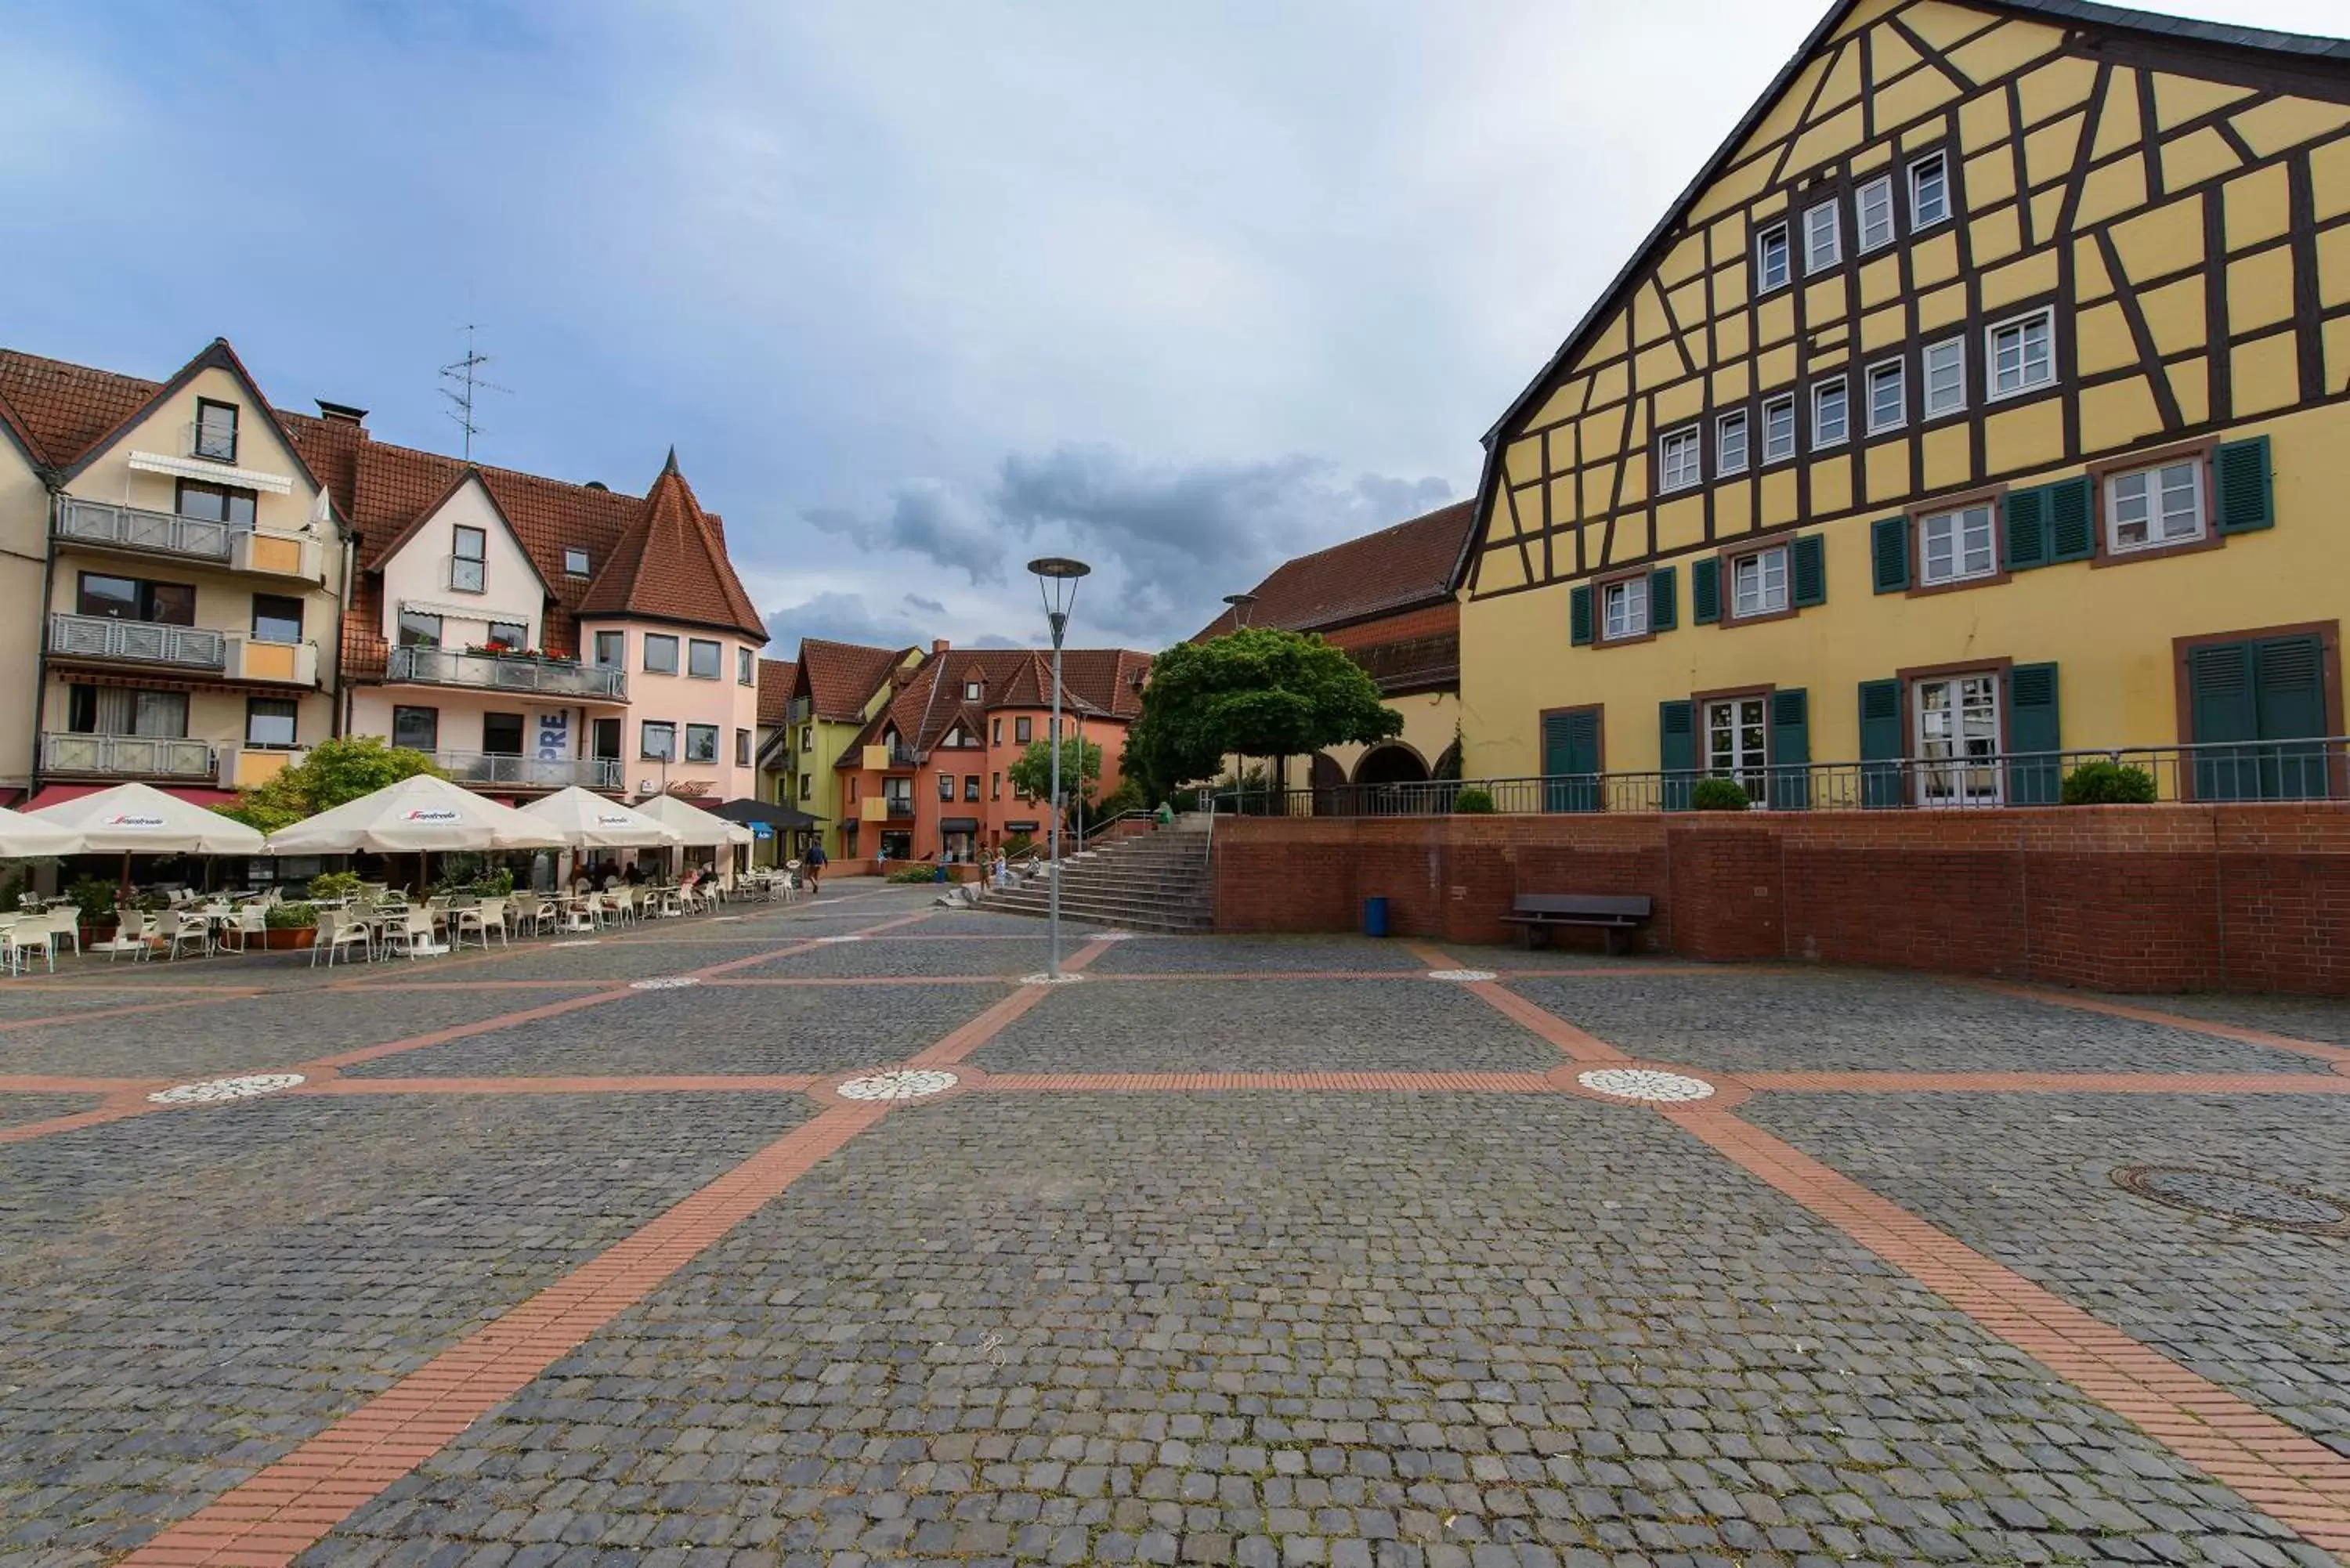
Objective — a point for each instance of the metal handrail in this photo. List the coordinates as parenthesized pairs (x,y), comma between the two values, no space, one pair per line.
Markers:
(522,771)
(2317,768)
(137,528)
(129,756)
(498,672)
(151,642)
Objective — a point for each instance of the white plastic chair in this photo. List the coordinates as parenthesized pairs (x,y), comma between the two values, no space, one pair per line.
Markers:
(134,933)
(338,931)
(250,920)
(24,939)
(65,926)
(412,936)
(176,931)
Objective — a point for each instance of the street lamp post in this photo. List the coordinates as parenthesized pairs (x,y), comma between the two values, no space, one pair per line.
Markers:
(1056,585)
(1241,603)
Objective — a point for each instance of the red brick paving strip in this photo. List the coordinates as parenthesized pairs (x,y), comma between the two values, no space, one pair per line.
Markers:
(1572,1042)
(682,1084)
(989,1024)
(1385,1083)
(2337,1055)
(2275,1469)
(293,1504)
(120,1110)
(2044,1083)
(12,1024)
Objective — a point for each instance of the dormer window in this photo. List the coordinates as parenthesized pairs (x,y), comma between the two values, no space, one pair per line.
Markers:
(216,430)
(469,560)
(575,563)
(971,690)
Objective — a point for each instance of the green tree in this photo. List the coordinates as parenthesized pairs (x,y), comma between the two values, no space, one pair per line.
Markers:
(1081,766)
(1258,692)
(334,772)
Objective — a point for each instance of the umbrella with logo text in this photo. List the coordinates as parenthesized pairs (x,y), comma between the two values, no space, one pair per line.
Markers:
(588,821)
(417,815)
(139,819)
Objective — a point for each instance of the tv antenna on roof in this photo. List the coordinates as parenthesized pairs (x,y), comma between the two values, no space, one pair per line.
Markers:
(465,383)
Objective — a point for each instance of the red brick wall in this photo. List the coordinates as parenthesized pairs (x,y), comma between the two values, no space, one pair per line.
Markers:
(2166,897)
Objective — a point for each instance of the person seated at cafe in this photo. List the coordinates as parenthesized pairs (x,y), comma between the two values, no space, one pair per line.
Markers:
(636,873)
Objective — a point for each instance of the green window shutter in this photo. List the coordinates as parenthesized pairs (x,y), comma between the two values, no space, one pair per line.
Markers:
(2245,499)
(1664,613)
(1677,751)
(1888,552)
(2072,519)
(2289,704)
(1791,750)
(2027,528)
(1705,590)
(1880,742)
(1571,761)
(1808,569)
(2220,707)
(2034,734)
(1579,614)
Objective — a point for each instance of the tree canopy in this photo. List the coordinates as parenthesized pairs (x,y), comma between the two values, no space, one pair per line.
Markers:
(1261,691)
(334,772)
(1081,766)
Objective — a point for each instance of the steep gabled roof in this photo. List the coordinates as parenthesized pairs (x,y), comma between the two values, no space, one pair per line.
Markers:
(1095,683)
(469,474)
(839,677)
(670,566)
(775,678)
(64,409)
(1398,568)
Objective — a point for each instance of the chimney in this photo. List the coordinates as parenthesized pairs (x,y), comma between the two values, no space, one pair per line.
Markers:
(938,646)
(340,413)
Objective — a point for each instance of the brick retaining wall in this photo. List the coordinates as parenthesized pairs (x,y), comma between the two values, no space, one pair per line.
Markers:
(2159,898)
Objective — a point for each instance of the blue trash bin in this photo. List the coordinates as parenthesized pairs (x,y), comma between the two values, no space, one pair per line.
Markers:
(1375,916)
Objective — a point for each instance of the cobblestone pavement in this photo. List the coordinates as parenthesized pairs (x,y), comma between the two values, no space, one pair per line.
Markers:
(1255,1250)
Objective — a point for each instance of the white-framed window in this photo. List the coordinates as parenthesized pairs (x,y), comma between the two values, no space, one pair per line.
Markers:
(1956,735)
(656,741)
(703,658)
(1888,396)
(575,562)
(1823,236)
(1677,465)
(1946,376)
(1957,545)
(1736,743)
(1770,259)
(2020,354)
(1729,443)
(1929,190)
(1874,208)
(660,653)
(2149,507)
(1831,413)
(1758,582)
(1624,607)
(971,690)
(468,557)
(1779,429)
(747,667)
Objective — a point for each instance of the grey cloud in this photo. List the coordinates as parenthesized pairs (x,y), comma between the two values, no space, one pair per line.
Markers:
(928,607)
(929,519)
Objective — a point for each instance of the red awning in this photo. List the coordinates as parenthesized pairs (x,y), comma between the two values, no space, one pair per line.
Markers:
(194,795)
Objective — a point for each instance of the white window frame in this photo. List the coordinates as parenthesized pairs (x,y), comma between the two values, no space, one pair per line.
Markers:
(1680,460)
(1760,563)
(1821,394)
(575,562)
(1992,391)
(646,730)
(1815,259)
(1878,190)
(1940,163)
(1632,594)
(1959,519)
(1927,408)
(1724,718)
(1960,772)
(1898,372)
(1783,403)
(1786,238)
(2154,495)
(1724,463)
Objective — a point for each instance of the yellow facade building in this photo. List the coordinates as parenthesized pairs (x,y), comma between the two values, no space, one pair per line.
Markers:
(1984,394)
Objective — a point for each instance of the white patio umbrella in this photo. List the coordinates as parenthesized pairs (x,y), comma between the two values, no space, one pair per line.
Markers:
(694,827)
(139,819)
(416,815)
(26,837)
(588,821)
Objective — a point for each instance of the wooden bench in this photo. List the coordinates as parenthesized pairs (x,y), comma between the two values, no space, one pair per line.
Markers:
(1530,912)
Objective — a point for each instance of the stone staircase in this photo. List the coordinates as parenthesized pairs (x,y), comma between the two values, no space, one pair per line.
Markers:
(1155,880)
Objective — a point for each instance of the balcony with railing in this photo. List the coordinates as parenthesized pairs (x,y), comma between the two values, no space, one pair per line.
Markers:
(895,757)
(103,525)
(105,638)
(797,709)
(515,771)
(65,754)
(505,672)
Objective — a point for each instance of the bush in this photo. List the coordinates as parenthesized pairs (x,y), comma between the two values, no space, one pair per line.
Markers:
(95,898)
(914,873)
(2106,783)
(292,917)
(1016,845)
(335,885)
(1473,801)
(1718,794)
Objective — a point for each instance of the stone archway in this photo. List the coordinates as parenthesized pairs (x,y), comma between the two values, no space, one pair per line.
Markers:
(1391,763)
(1329,781)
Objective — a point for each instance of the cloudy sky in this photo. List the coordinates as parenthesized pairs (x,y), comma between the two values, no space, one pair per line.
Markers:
(918,291)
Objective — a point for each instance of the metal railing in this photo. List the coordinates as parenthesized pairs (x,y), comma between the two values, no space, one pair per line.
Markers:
(496,673)
(133,528)
(126,757)
(2314,769)
(147,642)
(513,771)
(796,710)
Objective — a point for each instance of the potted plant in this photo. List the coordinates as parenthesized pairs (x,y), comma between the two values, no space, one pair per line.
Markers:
(289,926)
(94,897)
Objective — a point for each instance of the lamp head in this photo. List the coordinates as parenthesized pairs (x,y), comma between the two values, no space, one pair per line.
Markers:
(1056,585)
(1240,603)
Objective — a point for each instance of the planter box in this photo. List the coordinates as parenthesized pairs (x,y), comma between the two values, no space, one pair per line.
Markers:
(283,938)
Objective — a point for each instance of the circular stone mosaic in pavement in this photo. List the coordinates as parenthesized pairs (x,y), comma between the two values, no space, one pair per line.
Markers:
(1645,1083)
(2245,1200)
(1461,976)
(851,937)
(906,1084)
(1042,978)
(212,1090)
(664,982)
(582,942)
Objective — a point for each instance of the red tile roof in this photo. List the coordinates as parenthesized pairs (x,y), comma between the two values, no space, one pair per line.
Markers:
(1396,568)
(66,408)
(1102,683)
(670,566)
(841,678)
(775,678)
